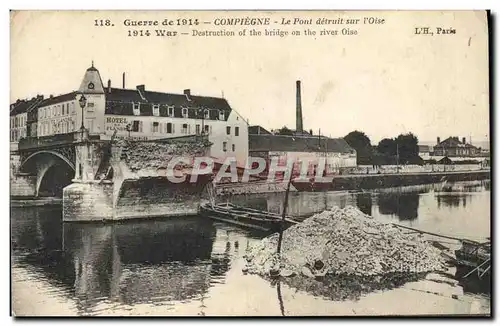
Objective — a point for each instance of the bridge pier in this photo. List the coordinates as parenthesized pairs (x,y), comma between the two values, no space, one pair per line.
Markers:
(88,201)
(23,185)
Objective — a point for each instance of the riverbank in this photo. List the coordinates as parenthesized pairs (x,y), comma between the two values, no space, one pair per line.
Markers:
(388,180)
(35,202)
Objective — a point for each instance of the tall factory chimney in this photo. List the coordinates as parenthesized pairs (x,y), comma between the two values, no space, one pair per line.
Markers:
(123,79)
(299,127)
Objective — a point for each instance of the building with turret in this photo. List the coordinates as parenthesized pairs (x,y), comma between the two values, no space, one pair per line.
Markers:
(137,113)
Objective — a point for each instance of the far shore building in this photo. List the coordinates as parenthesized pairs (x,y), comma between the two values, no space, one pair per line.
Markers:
(137,113)
(453,147)
(301,146)
(337,154)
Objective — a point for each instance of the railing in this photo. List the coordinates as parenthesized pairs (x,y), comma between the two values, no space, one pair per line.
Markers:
(51,141)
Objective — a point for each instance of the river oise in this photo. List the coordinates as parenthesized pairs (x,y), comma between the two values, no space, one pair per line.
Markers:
(192,266)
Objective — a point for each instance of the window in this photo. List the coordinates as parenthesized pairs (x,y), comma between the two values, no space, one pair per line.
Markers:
(72,108)
(169,128)
(206,113)
(90,125)
(184,112)
(170,110)
(156,110)
(233,147)
(197,129)
(184,128)
(207,129)
(136,108)
(155,126)
(221,115)
(236,131)
(135,126)
(228,130)
(224,146)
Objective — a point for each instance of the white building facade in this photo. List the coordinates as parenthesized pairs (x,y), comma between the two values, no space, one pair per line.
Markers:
(138,114)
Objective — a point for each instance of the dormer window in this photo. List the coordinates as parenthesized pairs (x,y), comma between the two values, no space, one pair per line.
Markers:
(156,110)
(184,112)
(170,110)
(221,115)
(137,108)
(206,113)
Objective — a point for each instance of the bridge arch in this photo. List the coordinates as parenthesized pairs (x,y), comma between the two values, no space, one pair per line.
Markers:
(53,172)
(54,153)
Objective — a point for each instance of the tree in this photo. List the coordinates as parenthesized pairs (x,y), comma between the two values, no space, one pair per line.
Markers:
(408,148)
(387,146)
(358,140)
(361,143)
(284,131)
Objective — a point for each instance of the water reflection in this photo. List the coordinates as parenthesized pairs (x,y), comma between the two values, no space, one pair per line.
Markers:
(403,205)
(456,200)
(162,262)
(129,263)
(301,204)
(364,203)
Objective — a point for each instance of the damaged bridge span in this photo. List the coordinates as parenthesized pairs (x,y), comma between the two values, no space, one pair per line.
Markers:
(108,179)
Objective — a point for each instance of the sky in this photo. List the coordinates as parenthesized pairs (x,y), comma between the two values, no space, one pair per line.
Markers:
(383,81)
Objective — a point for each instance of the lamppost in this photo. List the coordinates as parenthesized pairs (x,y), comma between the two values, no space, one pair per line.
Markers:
(83,103)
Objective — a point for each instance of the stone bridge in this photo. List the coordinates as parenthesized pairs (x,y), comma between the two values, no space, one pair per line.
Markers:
(106,179)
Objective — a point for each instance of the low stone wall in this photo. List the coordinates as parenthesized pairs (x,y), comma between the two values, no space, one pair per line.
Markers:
(374,181)
(23,186)
(383,169)
(144,210)
(85,202)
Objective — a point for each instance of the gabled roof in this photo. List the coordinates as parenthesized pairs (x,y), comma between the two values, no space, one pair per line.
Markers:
(453,142)
(281,143)
(257,130)
(23,106)
(119,101)
(58,99)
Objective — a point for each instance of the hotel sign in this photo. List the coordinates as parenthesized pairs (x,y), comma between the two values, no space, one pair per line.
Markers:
(117,123)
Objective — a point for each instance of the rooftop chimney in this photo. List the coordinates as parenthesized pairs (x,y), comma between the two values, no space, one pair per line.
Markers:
(438,140)
(123,78)
(463,140)
(109,85)
(187,92)
(299,127)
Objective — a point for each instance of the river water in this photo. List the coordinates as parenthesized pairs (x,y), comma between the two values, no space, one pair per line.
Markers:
(192,266)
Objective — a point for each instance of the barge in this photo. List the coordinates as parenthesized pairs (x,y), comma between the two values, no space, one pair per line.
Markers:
(246,217)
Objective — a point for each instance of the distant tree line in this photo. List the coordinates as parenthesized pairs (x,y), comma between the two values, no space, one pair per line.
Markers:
(402,149)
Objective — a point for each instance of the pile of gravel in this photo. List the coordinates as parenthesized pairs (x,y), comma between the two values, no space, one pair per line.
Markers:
(344,242)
